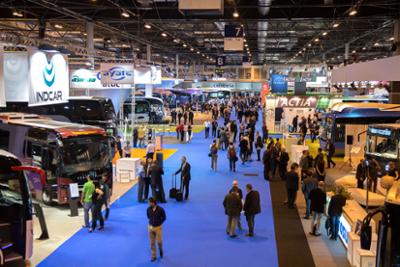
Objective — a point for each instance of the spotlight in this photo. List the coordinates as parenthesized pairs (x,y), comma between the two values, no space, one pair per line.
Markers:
(353,12)
(191,49)
(147,26)
(335,25)
(316,40)
(235,14)
(325,33)
(125,14)
(164,34)
(184,45)
(309,45)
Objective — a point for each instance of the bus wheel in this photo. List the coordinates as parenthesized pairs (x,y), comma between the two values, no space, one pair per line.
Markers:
(46,197)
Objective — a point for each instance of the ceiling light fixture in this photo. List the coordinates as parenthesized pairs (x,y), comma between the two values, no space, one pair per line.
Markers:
(184,45)
(353,12)
(376,44)
(325,33)
(316,40)
(191,49)
(391,39)
(364,48)
(125,14)
(147,26)
(335,25)
(354,51)
(176,40)
(198,52)
(164,34)
(309,45)
(58,26)
(235,14)
(18,14)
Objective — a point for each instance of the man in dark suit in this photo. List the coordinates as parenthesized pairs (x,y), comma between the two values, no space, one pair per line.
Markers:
(335,210)
(235,188)
(185,176)
(251,207)
(157,183)
(233,207)
(292,184)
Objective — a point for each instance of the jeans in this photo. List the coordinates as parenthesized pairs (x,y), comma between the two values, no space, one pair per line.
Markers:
(243,156)
(250,222)
(231,226)
(87,207)
(335,226)
(207,132)
(232,164)
(97,216)
(214,160)
(155,233)
(316,222)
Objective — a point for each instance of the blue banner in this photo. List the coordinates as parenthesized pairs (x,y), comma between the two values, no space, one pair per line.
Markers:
(279,84)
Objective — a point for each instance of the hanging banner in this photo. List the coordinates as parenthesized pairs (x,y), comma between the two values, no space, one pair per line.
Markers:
(48,78)
(115,73)
(91,79)
(279,84)
(233,38)
(2,87)
(156,78)
(264,92)
(16,69)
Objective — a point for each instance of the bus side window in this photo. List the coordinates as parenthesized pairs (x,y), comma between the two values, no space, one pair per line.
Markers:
(28,150)
(4,139)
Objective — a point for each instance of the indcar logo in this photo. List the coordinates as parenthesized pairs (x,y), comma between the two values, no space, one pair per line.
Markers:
(118,73)
(49,74)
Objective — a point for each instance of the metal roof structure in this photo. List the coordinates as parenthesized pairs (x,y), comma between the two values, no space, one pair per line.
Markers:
(276,31)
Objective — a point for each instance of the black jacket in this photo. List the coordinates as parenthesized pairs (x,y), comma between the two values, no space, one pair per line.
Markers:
(318,200)
(156,175)
(252,203)
(237,190)
(232,204)
(185,171)
(336,205)
(284,158)
(157,217)
(292,180)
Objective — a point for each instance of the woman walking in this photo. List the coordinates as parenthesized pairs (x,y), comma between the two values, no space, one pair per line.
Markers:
(214,155)
(259,145)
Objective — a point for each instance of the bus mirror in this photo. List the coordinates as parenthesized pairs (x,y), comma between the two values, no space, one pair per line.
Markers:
(37,170)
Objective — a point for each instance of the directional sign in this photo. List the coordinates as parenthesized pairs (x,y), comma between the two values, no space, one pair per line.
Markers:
(220,61)
(233,40)
(247,61)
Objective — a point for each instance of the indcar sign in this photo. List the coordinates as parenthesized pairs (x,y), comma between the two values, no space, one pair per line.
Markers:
(48,78)
(114,73)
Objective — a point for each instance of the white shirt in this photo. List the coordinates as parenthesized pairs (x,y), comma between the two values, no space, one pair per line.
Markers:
(150,148)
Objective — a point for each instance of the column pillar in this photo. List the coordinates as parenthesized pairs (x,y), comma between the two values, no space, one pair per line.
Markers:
(394,96)
(89,45)
(177,66)
(148,53)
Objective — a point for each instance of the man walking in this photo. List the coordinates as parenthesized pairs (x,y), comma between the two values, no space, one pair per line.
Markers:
(283,163)
(251,207)
(308,184)
(235,188)
(232,157)
(233,207)
(292,184)
(157,217)
(191,117)
(185,176)
(86,199)
(214,126)
(318,201)
(335,210)
(207,129)
(330,151)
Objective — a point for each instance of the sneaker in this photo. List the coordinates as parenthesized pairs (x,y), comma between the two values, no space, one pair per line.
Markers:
(90,230)
(101,228)
(249,235)
(161,254)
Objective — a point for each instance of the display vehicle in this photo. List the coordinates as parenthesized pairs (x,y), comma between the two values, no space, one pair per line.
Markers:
(346,125)
(16,232)
(67,152)
(147,110)
(96,111)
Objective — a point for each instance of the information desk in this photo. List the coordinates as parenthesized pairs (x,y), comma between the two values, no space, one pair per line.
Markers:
(127,169)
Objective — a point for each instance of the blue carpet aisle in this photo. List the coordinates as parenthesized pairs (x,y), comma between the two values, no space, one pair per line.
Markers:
(194,233)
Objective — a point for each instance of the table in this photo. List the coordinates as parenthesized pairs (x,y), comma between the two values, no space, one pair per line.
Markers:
(127,165)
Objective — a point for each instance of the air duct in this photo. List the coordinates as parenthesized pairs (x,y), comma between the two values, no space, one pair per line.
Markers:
(262,27)
(264,6)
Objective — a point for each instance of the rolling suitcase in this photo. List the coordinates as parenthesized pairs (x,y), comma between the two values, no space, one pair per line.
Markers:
(179,196)
(173,191)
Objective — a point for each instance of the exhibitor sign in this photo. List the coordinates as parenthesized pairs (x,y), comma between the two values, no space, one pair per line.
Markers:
(114,73)
(284,101)
(48,78)
(91,79)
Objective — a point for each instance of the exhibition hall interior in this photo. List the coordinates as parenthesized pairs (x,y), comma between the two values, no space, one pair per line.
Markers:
(188,133)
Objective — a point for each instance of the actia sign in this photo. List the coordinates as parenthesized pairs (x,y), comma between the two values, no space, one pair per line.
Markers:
(48,78)
(114,73)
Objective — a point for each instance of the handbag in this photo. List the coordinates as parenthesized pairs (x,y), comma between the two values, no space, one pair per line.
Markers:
(209,154)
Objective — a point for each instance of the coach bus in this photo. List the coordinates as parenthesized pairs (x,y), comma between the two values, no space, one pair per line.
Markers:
(147,110)
(96,111)
(16,232)
(67,152)
(348,123)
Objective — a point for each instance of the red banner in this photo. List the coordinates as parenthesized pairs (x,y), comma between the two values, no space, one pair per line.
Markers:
(264,92)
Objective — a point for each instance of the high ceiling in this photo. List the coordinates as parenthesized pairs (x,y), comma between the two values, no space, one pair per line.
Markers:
(276,32)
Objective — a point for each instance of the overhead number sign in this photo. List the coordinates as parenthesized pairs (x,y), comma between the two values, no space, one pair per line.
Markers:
(220,61)
(233,39)
(115,73)
(48,78)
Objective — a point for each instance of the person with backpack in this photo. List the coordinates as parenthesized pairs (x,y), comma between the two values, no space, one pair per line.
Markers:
(98,201)
(259,145)
(214,155)
(232,157)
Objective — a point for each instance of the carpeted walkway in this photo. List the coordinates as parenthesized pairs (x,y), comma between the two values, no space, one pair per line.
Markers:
(194,233)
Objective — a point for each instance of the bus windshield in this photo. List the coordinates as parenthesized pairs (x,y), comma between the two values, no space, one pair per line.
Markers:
(382,146)
(10,187)
(85,153)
